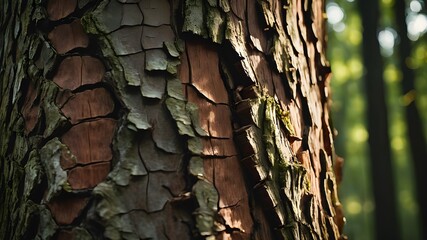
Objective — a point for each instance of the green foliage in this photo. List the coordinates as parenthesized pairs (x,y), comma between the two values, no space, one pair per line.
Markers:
(348,112)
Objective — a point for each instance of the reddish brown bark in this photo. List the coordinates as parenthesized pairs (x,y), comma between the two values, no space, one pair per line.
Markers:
(87,156)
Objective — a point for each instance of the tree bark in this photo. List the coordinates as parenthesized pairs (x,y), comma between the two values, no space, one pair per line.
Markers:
(417,140)
(386,223)
(156,119)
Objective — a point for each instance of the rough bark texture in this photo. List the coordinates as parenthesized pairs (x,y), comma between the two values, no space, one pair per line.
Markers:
(159,119)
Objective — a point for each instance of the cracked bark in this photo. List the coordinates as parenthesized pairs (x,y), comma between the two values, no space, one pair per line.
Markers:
(166,120)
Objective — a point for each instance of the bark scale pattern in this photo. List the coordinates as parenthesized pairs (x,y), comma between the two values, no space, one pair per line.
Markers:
(66,117)
(93,114)
(147,193)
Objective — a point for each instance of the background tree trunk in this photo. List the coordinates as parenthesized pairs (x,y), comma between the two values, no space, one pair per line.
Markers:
(386,223)
(166,120)
(417,141)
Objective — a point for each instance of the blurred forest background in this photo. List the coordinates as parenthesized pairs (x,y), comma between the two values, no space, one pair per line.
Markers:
(350,110)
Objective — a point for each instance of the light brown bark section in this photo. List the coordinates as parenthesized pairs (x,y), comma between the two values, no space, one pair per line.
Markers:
(204,87)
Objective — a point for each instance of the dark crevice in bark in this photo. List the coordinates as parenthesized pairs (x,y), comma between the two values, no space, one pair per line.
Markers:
(81,218)
(11,144)
(33,225)
(92,223)
(79,165)
(56,133)
(9,107)
(91,50)
(37,193)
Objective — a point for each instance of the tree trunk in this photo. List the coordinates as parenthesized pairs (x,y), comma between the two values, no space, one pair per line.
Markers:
(417,140)
(156,119)
(386,223)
